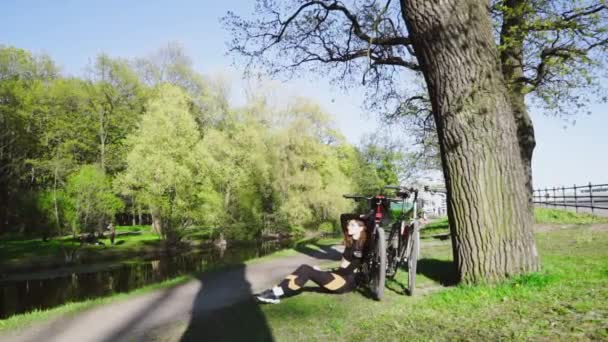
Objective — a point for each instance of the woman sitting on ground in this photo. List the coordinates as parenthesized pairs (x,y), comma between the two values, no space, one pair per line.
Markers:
(340,280)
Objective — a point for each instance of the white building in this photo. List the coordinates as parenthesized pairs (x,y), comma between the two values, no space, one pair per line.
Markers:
(433,202)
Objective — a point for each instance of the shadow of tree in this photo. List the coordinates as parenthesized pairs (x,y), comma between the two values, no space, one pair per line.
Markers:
(242,320)
(224,310)
(322,252)
(396,286)
(441,271)
(365,291)
(218,316)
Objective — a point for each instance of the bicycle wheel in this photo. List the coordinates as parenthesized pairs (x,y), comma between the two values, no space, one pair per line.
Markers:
(379,265)
(392,253)
(412,259)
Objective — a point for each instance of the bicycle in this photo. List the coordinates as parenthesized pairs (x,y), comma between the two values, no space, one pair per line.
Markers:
(404,239)
(372,272)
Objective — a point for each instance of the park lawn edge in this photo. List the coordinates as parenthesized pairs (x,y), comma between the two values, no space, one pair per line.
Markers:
(541,216)
(21,321)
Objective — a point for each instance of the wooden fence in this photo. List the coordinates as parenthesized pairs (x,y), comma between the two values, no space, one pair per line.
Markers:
(591,196)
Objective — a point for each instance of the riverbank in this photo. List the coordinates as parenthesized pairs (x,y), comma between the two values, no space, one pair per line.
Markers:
(26,255)
(306,246)
(204,293)
(23,256)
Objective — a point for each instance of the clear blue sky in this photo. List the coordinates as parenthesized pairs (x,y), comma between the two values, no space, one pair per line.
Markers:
(73,32)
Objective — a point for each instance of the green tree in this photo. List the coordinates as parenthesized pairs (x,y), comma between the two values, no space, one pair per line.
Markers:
(57,212)
(116,98)
(66,140)
(380,161)
(309,178)
(93,203)
(166,166)
(239,171)
(23,79)
(170,64)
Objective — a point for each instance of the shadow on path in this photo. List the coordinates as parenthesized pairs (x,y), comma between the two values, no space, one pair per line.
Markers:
(321,252)
(206,305)
(245,321)
(215,317)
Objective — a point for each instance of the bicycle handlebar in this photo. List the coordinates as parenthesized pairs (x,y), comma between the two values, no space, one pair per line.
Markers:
(359,197)
(407,191)
(402,191)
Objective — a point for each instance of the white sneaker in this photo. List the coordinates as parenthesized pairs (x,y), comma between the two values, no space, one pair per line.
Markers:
(268,297)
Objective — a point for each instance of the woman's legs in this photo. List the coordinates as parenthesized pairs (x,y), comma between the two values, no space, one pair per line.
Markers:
(294,282)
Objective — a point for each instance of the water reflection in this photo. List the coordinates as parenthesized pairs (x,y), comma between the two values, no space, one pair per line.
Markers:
(27,295)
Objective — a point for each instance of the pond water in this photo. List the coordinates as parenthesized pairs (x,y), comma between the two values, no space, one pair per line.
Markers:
(44,290)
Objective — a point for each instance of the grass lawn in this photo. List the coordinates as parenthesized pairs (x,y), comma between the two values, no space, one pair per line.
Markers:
(541,215)
(18,250)
(546,215)
(567,300)
(437,227)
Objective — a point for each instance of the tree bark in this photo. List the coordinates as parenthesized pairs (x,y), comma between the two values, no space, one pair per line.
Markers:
(102,142)
(55,176)
(512,60)
(157,223)
(485,177)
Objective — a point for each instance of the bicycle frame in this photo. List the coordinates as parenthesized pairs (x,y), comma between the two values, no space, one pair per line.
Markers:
(399,238)
(373,266)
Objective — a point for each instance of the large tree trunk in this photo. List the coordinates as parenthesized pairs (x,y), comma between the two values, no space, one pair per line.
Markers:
(488,210)
(512,57)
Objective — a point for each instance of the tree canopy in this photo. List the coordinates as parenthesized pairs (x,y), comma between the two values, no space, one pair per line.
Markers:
(153,140)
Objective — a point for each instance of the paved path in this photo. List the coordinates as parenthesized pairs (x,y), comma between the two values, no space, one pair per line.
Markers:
(126,320)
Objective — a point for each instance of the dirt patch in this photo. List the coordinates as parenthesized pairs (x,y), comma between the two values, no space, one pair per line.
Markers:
(601,227)
(549,227)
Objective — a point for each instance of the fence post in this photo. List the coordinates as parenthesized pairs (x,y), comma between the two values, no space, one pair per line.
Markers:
(546,197)
(575,199)
(591,196)
(564,197)
(554,198)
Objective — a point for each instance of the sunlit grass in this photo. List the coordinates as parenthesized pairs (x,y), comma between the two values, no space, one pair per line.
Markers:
(541,215)
(546,215)
(566,300)
(22,250)
(439,226)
